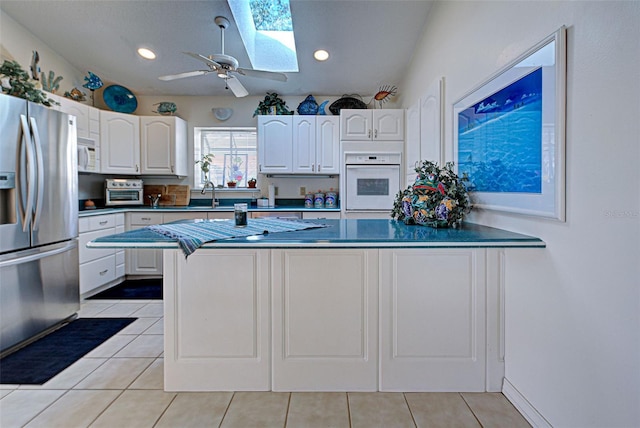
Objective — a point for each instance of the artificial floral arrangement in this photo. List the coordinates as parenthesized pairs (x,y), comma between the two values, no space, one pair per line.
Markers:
(272,100)
(438,197)
(15,81)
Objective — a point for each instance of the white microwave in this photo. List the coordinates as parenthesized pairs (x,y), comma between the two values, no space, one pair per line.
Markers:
(87,155)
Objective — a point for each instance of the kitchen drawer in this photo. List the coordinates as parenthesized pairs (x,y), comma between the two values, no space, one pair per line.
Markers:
(96,273)
(144,219)
(169,217)
(87,254)
(86,224)
(308,215)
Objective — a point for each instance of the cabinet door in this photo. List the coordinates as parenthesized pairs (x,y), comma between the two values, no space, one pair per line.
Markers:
(304,144)
(80,111)
(327,144)
(432,319)
(431,123)
(157,137)
(217,320)
(143,261)
(355,124)
(388,124)
(325,330)
(163,146)
(119,143)
(412,142)
(275,144)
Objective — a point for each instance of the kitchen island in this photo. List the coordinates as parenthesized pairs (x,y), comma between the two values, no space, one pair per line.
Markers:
(358,305)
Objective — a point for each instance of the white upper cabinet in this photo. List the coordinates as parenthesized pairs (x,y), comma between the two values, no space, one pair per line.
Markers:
(316,144)
(163,145)
(120,143)
(424,130)
(372,125)
(275,143)
(304,144)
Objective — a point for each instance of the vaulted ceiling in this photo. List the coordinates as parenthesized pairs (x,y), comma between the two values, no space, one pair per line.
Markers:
(371,42)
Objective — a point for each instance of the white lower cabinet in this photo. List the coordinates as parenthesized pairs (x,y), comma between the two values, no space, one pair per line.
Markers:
(143,261)
(99,267)
(325,330)
(432,320)
(308,215)
(217,321)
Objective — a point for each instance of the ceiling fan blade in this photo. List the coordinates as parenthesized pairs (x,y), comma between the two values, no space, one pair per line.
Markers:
(183,75)
(272,75)
(236,87)
(203,58)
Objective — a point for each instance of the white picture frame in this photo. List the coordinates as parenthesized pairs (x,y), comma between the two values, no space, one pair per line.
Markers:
(492,156)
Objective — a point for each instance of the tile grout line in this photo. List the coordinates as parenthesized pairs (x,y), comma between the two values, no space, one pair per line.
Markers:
(404,395)
(469,407)
(233,395)
(349,410)
(175,396)
(286,415)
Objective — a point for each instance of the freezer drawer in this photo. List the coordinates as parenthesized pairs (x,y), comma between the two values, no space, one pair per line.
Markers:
(39,289)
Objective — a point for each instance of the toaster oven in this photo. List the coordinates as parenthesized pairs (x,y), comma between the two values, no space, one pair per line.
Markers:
(123,191)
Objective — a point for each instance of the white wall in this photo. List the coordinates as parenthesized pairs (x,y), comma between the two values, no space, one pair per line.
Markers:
(573,309)
(17,43)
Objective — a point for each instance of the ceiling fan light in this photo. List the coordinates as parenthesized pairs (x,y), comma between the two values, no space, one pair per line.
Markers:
(146,53)
(321,55)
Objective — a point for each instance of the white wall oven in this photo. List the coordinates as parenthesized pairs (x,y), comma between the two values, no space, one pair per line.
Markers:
(123,191)
(371,180)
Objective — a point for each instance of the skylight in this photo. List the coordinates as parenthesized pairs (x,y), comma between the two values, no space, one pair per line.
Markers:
(271,15)
(266,29)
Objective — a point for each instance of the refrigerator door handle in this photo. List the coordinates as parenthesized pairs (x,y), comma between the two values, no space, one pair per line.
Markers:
(35,254)
(40,173)
(25,141)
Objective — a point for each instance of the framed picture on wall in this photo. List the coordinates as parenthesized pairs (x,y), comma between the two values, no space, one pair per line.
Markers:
(509,134)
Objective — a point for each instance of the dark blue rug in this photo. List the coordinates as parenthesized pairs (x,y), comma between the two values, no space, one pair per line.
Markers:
(133,289)
(46,357)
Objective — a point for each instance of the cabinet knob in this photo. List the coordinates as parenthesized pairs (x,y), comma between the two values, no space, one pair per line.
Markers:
(104,272)
(375,134)
(369,134)
(136,167)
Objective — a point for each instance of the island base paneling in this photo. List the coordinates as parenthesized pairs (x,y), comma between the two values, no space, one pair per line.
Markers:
(217,320)
(432,320)
(325,332)
(334,319)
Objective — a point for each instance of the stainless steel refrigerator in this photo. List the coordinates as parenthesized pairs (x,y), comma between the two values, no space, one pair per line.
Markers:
(39,272)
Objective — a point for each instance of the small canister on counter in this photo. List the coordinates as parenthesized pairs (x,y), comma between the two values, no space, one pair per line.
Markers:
(318,200)
(308,200)
(330,200)
(240,214)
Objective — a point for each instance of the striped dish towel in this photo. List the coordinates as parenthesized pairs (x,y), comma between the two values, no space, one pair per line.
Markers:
(192,235)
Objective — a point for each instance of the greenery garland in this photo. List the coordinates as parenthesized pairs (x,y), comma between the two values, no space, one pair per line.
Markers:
(438,197)
(16,82)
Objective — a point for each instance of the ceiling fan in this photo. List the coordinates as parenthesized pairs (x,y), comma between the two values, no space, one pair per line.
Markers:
(225,66)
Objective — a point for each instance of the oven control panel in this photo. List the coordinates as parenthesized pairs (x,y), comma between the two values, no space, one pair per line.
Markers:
(373,159)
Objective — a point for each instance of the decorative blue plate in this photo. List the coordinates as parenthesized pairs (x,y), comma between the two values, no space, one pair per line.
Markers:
(120,99)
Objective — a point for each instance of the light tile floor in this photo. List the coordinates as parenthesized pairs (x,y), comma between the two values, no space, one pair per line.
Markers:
(120,384)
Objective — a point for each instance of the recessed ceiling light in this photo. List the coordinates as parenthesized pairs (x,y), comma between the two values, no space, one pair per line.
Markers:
(146,53)
(321,55)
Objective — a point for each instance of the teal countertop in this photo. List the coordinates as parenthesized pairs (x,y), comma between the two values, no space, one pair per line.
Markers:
(196,208)
(345,233)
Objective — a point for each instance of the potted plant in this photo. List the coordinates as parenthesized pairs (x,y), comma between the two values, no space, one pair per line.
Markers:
(231,184)
(272,103)
(252,183)
(205,166)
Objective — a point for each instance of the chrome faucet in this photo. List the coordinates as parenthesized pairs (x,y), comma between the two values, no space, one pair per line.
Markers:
(214,203)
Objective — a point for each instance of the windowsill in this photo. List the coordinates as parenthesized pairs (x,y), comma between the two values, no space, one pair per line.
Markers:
(229,190)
